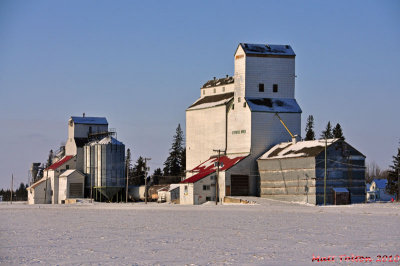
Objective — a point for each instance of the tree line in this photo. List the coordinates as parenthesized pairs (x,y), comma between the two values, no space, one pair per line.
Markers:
(174,165)
(327,133)
(21,194)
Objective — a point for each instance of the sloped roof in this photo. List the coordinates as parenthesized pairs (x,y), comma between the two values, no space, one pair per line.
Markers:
(340,189)
(308,148)
(218,82)
(273,105)
(212,101)
(267,49)
(69,172)
(37,183)
(380,183)
(89,120)
(208,167)
(106,140)
(59,163)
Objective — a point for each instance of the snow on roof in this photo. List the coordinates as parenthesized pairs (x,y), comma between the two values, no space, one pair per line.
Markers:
(69,172)
(208,167)
(380,183)
(218,82)
(37,183)
(273,105)
(306,148)
(267,49)
(59,163)
(212,101)
(169,187)
(106,140)
(340,189)
(89,120)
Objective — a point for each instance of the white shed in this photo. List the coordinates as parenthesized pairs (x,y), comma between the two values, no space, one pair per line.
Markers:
(36,192)
(71,185)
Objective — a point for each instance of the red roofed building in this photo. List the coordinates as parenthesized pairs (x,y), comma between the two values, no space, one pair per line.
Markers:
(50,180)
(200,187)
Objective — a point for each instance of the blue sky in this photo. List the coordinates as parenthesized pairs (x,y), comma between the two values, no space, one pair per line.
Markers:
(142,63)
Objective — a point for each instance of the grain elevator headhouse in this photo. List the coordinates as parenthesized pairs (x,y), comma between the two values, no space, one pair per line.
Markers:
(237,115)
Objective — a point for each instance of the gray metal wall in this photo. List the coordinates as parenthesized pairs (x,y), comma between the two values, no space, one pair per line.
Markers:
(105,164)
(302,178)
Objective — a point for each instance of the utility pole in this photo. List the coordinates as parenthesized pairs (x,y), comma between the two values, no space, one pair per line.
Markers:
(326,144)
(12,185)
(145,178)
(398,182)
(91,186)
(217,179)
(127,175)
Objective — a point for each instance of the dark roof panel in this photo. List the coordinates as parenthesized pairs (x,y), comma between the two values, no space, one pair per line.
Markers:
(273,105)
(218,82)
(89,120)
(213,99)
(267,49)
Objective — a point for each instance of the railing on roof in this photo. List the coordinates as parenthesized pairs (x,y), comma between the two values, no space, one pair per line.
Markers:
(100,135)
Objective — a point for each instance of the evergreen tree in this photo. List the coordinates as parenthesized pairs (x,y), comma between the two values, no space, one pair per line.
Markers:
(337,132)
(50,159)
(327,133)
(392,186)
(173,164)
(138,172)
(310,135)
(183,160)
(21,193)
(156,176)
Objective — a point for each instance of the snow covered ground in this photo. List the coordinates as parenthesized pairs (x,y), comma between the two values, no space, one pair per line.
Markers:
(266,233)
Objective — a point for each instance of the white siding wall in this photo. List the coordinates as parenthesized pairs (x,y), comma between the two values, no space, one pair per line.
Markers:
(36,195)
(218,90)
(269,71)
(267,130)
(80,131)
(54,177)
(239,120)
(64,183)
(186,198)
(205,131)
(62,193)
(240,72)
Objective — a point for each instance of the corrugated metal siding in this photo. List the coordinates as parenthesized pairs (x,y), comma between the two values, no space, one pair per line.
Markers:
(302,178)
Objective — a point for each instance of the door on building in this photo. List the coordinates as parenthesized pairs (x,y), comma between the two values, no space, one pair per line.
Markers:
(239,185)
(75,190)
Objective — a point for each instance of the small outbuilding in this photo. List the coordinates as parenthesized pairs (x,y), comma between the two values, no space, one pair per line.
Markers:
(376,191)
(71,185)
(200,187)
(169,193)
(37,192)
(295,171)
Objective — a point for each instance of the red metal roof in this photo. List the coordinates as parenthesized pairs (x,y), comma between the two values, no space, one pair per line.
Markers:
(208,167)
(57,164)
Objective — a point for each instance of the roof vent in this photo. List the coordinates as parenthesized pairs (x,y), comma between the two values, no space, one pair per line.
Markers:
(83,115)
(287,46)
(215,78)
(227,76)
